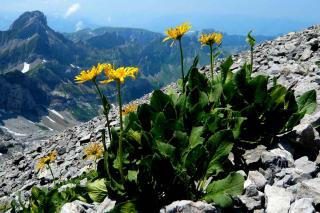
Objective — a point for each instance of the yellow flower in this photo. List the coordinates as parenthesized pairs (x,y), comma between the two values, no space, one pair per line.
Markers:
(94,151)
(90,75)
(119,74)
(177,32)
(46,160)
(210,39)
(129,108)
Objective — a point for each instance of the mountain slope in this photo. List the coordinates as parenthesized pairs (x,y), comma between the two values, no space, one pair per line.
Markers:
(38,65)
(296,57)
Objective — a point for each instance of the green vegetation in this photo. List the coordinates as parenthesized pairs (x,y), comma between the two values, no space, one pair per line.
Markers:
(177,146)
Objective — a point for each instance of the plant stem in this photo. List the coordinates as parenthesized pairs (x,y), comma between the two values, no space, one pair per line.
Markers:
(121,131)
(182,71)
(211,61)
(251,58)
(51,173)
(105,112)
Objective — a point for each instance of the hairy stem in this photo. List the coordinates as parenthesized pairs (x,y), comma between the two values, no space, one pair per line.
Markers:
(181,61)
(121,131)
(211,61)
(105,112)
(49,167)
(251,59)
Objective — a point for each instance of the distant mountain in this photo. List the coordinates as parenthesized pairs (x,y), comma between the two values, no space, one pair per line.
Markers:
(38,65)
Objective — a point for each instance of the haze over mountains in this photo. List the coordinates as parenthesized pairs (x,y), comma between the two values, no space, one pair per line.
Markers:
(38,65)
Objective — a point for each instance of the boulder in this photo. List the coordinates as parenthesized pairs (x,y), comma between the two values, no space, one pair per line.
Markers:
(304,205)
(278,199)
(187,206)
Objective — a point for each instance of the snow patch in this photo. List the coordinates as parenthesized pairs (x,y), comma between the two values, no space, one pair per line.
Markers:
(26,67)
(44,61)
(30,122)
(56,113)
(13,133)
(50,119)
(72,66)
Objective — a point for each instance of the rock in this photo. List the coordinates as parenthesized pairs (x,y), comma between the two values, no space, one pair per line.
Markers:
(277,158)
(106,206)
(85,138)
(254,155)
(77,207)
(307,189)
(306,55)
(253,202)
(257,178)
(304,205)
(307,137)
(278,199)
(306,166)
(187,206)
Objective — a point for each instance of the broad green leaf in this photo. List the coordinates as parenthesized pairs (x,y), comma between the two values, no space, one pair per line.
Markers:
(165,149)
(225,68)
(258,86)
(97,190)
(195,136)
(308,102)
(159,100)
(220,144)
(220,192)
(126,207)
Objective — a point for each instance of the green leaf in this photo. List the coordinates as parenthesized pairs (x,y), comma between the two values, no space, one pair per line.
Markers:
(220,192)
(225,68)
(97,190)
(220,144)
(132,175)
(165,149)
(159,100)
(126,207)
(250,40)
(308,102)
(258,86)
(195,136)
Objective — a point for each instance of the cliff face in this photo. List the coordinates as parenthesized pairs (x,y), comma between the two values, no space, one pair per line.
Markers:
(294,59)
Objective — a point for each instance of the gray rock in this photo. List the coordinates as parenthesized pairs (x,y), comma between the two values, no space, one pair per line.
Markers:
(307,136)
(257,178)
(307,189)
(106,205)
(306,166)
(254,155)
(304,205)
(77,207)
(187,206)
(252,202)
(278,199)
(306,54)
(277,158)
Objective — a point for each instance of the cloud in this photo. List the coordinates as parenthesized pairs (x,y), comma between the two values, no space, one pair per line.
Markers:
(79,25)
(72,9)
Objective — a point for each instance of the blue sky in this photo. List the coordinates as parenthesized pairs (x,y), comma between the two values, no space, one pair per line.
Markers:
(232,16)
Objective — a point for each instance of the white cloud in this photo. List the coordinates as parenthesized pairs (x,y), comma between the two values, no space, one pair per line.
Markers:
(72,9)
(79,25)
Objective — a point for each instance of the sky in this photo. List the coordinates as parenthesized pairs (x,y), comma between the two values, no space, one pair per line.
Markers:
(231,16)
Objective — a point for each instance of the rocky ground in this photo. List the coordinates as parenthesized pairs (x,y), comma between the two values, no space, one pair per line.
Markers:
(284,178)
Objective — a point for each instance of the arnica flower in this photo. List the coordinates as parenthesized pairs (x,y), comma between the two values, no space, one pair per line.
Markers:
(90,75)
(211,39)
(118,74)
(177,32)
(129,108)
(94,151)
(46,160)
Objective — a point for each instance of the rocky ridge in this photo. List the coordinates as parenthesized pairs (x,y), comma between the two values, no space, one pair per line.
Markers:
(282,179)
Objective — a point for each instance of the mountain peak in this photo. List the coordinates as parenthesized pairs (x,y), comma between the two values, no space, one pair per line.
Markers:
(29,18)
